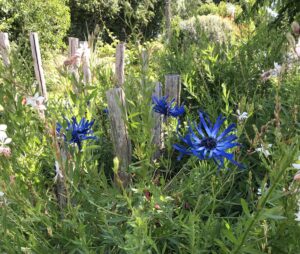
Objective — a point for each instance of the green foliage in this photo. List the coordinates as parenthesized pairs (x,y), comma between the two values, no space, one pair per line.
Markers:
(213,27)
(51,19)
(170,206)
(124,19)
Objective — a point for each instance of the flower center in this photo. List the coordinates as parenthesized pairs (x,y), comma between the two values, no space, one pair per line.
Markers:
(209,143)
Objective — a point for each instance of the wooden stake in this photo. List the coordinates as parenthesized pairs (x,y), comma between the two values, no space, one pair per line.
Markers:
(38,69)
(173,87)
(86,53)
(73,46)
(120,138)
(157,129)
(4,48)
(120,56)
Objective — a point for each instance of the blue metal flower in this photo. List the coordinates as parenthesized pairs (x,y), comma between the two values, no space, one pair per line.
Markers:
(207,144)
(78,131)
(162,106)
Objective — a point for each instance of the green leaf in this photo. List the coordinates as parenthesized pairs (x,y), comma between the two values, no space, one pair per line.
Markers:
(245,207)
(92,147)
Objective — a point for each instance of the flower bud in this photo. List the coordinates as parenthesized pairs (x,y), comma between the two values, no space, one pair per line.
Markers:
(297,177)
(5,151)
(157,207)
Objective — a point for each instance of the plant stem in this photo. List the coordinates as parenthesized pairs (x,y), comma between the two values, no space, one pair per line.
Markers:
(260,207)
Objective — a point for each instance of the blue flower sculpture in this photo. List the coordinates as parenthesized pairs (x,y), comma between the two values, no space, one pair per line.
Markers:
(79,131)
(162,106)
(208,143)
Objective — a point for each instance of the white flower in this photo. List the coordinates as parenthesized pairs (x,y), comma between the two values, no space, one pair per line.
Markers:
(298,213)
(260,189)
(272,73)
(36,102)
(297,216)
(277,67)
(5,151)
(272,13)
(57,171)
(241,117)
(4,140)
(276,71)
(264,149)
(230,9)
(1,194)
(297,165)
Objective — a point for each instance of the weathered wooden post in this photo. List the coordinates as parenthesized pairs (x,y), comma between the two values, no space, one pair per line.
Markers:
(122,144)
(120,61)
(86,53)
(60,184)
(73,46)
(173,87)
(116,108)
(157,129)
(37,60)
(74,59)
(4,48)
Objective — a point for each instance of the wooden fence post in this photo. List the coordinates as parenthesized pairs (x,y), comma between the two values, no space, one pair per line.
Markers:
(122,144)
(73,46)
(173,87)
(86,53)
(4,48)
(38,69)
(120,57)
(157,129)
(116,105)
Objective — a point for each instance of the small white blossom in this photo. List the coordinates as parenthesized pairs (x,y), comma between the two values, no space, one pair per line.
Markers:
(36,102)
(241,117)
(57,171)
(298,213)
(272,73)
(264,150)
(276,71)
(297,165)
(4,140)
(260,190)
(230,8)
(272,13)
(1,194)
(297,216)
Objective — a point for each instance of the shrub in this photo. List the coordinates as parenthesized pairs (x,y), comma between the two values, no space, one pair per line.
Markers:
(213,27)
(50,18)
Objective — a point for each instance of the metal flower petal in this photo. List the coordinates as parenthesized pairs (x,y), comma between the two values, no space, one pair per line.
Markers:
(77,131)
(162,106)
(208,142)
